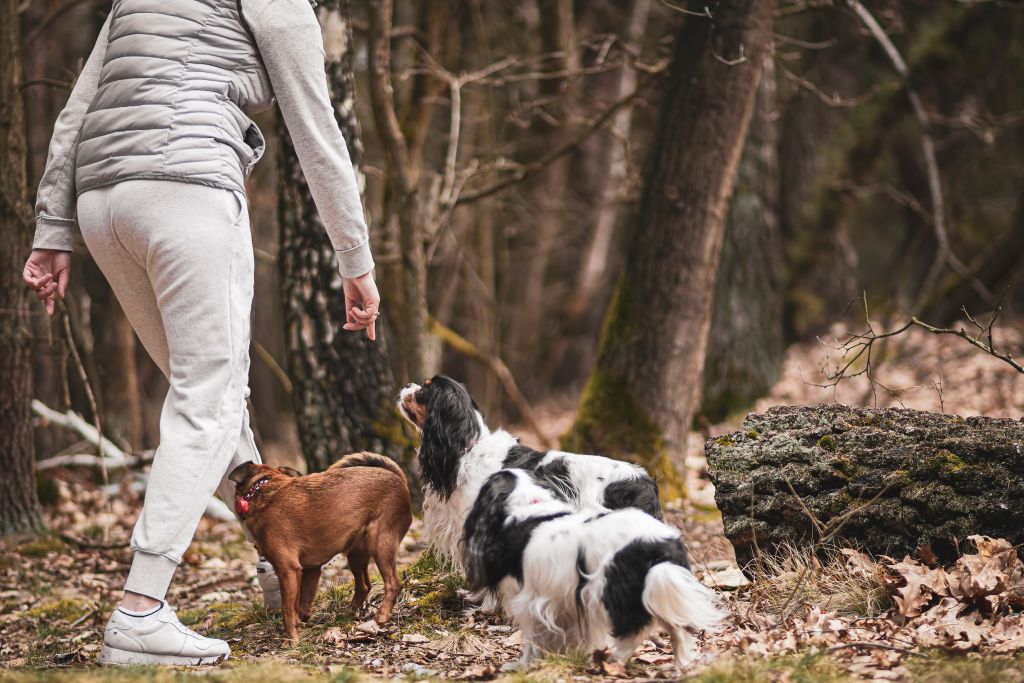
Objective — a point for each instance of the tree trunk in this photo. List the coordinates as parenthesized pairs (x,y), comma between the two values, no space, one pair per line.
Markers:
(745,348)
(640,399)
(343,384)
(888,480)
(19,506)
(529,341)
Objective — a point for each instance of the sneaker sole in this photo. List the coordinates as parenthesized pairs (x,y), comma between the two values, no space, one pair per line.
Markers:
(111,656)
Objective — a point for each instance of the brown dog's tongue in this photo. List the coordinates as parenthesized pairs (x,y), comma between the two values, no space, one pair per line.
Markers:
(242,506)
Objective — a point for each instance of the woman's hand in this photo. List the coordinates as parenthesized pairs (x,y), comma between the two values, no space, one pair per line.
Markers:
(362,304)
(47,272)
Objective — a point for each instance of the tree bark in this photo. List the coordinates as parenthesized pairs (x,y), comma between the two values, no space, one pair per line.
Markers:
(639,401)
(405,202)
(745,354)
(19,506)
(343,384)
(552,189)
(887,481)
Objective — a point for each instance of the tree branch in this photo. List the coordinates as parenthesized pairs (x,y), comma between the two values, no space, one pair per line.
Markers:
(546,160)
(945,254)
(382,97)
(498,367)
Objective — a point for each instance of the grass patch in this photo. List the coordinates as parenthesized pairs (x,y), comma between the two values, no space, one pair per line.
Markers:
(65,610)
(431,588)
(808,668)
(795,576)
(944,668)
(555,666)
(41,546)
(229,672)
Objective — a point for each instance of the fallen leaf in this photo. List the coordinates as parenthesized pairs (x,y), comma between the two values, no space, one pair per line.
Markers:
(369,627)
(478,672)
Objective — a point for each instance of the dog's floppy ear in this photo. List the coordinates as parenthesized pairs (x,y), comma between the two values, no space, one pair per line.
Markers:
(482,533)
(448,431)
(243,472)
(290,471)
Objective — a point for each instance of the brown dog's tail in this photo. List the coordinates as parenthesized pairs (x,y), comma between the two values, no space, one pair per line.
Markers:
(366,459)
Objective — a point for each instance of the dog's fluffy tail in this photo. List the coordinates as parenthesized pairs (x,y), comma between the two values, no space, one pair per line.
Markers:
(366,459)
(674,595)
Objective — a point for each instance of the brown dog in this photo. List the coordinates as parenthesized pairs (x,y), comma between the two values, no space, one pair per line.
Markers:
(360,506)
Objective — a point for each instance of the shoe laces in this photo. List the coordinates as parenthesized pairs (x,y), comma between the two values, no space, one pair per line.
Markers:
(188,631)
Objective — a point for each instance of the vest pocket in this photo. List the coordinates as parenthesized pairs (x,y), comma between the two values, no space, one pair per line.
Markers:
(257,143)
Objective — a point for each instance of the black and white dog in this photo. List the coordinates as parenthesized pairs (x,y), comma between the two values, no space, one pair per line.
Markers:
(458,452)
(582,579)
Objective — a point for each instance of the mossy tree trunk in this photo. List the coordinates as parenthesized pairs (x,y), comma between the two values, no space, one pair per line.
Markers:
(745,355)
(887,481)
(639,401)
(343,383)
(19,506)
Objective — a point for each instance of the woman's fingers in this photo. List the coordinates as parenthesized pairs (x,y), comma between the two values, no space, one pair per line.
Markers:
(37,281)
(62,281)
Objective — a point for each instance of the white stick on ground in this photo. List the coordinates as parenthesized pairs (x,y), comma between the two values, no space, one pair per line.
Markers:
(115,457)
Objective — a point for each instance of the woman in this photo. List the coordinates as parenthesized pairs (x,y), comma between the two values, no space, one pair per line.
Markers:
(153,149)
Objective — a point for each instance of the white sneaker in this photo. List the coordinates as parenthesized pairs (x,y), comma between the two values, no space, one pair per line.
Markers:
(267,578)
(157,638)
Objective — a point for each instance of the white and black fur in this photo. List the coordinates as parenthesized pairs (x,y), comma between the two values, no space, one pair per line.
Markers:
(458,452)
(582,579)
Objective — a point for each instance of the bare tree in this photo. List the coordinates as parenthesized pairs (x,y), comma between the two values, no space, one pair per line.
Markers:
(19,506)
(343,383)
(639,401)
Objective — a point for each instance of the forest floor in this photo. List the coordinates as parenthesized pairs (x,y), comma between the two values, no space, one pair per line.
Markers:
(848,618)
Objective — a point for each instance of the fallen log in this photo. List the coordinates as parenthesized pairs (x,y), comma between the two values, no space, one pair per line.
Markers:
(888,480)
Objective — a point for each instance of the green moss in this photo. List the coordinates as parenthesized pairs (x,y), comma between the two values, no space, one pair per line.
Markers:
(611,422)
(41,546)
(899,478)
(752,433)
(827,443)
(843,466)
(66,609)
(432,586)
(943,462)
(725,441)
(46,489)
(840,502)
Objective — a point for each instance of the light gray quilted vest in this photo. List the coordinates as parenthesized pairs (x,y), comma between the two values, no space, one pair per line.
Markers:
(178,77)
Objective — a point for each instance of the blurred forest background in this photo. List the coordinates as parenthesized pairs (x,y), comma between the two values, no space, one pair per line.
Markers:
(713,189)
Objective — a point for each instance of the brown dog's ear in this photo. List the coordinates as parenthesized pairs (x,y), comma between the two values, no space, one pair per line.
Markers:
(243,472)
(290,471)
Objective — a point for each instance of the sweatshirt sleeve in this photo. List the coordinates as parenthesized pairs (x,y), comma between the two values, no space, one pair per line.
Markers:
(56,196)
(288,37)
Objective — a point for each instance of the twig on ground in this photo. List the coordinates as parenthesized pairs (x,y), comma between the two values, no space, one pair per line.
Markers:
(876,646)
(111,455)
(92,545)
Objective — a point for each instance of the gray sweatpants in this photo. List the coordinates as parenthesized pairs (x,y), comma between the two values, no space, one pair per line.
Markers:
(180,261)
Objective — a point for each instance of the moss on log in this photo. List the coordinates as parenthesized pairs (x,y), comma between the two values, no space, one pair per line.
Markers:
(887,481)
